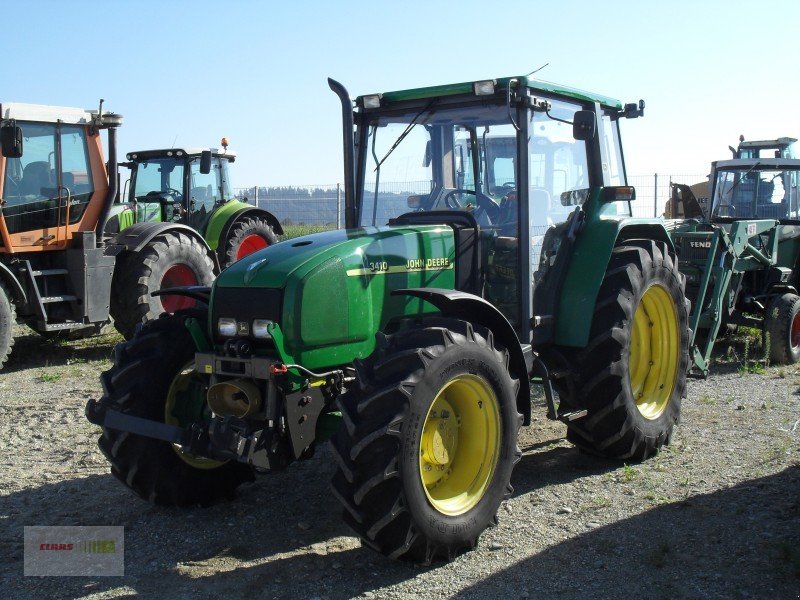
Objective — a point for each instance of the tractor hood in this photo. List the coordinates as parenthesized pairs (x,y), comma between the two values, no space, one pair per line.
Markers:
(330,292)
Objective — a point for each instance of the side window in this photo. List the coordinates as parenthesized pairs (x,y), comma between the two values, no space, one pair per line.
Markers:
(33,176)
(76,174)
(614,167)
(558,164)
(30,186)
(204,190)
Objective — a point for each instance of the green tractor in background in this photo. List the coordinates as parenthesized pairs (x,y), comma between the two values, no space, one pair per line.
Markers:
(741,264)
(510,258)
(189,187)
(192,186)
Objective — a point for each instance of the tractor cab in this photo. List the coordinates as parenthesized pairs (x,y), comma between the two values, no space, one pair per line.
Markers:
(783,147)
(755,189)
(517,161)
(181,185)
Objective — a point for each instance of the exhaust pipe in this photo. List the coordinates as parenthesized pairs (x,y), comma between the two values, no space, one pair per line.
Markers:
(236,398)
(350,213)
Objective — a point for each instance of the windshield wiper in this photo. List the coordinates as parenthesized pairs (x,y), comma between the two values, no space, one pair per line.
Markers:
(735,185)
(406,131)
(750,170)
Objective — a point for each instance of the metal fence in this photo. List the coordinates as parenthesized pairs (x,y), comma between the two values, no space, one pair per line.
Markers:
(309,208)
(652,191)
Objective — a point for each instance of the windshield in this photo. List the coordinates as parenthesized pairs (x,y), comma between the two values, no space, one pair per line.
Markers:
(756,194)
(439,159)
(157,176)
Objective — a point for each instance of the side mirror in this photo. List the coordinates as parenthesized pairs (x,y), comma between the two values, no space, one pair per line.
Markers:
(11,141)
(205,162)
(426,160)
(584,125)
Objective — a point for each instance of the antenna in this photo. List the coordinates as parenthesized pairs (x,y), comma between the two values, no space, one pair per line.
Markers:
(537,70)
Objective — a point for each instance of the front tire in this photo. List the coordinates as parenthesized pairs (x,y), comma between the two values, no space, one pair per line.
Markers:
(171,259)
(429,441)
(153,377)
(632,375)
(7,321)
(782,325)
(247,235)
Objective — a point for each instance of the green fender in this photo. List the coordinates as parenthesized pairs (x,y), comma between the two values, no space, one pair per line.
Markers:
(224,216)
(601,231)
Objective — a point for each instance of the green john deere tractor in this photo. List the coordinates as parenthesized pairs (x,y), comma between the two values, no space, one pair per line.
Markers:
(741,264)
(510,257)
(192,186)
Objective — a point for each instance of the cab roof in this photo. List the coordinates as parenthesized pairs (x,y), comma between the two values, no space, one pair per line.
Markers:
(502,83)
(767,144)
(45,113)
(178,152)
(758,163)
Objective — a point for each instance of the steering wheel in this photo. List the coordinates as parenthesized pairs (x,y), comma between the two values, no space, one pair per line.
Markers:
(483,203)
(450,200)
(174,193)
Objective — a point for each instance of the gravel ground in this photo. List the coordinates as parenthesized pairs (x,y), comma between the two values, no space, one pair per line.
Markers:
(716,514)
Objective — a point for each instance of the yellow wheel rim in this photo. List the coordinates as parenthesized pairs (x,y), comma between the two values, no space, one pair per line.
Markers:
(185,388)
(655,351)
(460,444)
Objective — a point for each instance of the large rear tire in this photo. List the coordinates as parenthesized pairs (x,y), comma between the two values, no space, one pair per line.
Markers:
(153,378)
(782,325)
(428,441)
(247,235)
(171,259)
(7,321)
(632,374)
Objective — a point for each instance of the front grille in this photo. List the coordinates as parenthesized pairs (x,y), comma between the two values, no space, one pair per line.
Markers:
(695,249)
(245,305)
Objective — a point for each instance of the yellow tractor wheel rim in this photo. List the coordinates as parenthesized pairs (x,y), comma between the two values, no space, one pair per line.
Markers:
(654,352)
(460,444)
(181,386)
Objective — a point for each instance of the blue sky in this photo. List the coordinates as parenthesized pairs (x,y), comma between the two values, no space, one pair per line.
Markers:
(187,73)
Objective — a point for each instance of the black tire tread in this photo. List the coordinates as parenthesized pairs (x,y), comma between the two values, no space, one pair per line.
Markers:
(149,467)
(245,226)
(611,427)
(8,317)
(778,326)
(131,303)
(367,480)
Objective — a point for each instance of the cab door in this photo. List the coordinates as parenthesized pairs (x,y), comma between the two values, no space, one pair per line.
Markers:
(31,189)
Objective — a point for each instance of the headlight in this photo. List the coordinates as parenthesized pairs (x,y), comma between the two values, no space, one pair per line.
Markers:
(226,327)
(261,328)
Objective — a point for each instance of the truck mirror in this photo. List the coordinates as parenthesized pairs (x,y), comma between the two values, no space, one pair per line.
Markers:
(205,162)
(11,141)
(584,125)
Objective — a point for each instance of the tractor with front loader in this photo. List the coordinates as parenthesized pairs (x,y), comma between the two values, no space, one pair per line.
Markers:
(489,246)
(193,186)
(742,263)
(59,272)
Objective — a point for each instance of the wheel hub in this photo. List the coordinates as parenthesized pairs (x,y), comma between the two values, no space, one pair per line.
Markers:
(440,437)
(460,444)
(654,352)
(185,404)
